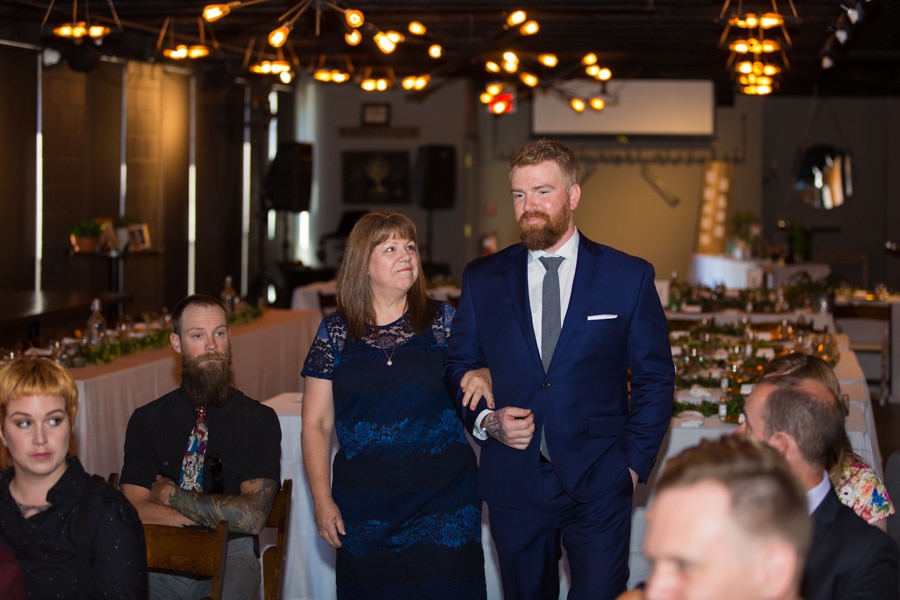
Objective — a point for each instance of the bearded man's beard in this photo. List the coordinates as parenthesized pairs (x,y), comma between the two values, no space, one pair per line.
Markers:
(207,379)
(541,237)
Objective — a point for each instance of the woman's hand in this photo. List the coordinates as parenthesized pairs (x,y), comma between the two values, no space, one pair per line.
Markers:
(329,522)
(475,385)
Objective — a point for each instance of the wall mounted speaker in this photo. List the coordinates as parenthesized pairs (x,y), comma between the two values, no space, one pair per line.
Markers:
(288,183)
(434,179)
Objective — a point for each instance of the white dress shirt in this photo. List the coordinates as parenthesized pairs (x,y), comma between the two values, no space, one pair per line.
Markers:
(815,496)
(536,270)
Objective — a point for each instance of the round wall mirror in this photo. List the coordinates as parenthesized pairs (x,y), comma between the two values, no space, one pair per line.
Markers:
(824,177)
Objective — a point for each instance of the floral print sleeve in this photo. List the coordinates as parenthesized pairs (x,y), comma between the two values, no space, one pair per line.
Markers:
(863,491)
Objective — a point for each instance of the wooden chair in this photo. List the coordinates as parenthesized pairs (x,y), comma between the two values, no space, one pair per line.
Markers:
(868,327)
(327,303)
(273,557)
(189,550)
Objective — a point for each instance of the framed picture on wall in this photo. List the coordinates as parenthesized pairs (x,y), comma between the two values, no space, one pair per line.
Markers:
(376,177)
(375,113)
(138,237)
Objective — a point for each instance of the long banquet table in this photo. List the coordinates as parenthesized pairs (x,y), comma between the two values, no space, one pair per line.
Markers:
(267,358)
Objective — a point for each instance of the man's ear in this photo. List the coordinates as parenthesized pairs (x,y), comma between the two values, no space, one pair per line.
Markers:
(776,570)
(783,442)
(175,341)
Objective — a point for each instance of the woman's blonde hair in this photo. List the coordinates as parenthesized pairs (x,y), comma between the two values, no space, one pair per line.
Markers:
(32,377)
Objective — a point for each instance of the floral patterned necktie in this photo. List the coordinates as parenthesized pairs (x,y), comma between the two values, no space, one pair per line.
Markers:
(192,464)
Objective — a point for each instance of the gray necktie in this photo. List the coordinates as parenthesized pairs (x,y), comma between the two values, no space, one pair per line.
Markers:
(550,312)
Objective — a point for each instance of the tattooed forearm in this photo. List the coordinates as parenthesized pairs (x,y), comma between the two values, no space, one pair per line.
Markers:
(245,512)
(494,428)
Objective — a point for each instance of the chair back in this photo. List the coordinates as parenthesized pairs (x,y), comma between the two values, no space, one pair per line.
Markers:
(274,556)
(191,551)
(868,327)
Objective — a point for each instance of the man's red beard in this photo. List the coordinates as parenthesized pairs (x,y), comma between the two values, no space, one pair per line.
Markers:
(207,379)
(541,237)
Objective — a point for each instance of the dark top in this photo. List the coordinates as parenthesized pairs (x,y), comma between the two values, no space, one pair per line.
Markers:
(405,477)
(46,544)
(849,559)
(244,438)
(12,581)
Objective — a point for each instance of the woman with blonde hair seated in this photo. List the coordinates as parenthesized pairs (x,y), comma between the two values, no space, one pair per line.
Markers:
(73,535)
(856,483)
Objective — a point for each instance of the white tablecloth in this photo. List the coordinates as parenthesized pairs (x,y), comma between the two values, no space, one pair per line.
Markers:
(310,561)
(306,297)
(267,357)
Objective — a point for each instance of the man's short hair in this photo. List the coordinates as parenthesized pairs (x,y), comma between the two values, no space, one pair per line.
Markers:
(543,150)
(809,412)
(767,500)
(192,300)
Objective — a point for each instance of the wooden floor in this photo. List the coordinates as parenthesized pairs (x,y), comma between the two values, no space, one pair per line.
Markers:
(887,425)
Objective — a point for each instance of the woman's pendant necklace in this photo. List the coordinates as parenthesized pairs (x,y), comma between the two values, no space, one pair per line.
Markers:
(389,357)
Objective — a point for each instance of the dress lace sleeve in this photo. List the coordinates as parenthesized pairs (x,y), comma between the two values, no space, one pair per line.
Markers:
(325,348)
(443,317)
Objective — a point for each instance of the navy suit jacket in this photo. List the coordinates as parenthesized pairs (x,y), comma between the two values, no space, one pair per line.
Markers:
(849,559)
(614,322)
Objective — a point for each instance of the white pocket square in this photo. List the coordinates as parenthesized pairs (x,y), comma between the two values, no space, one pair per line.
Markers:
(601,317)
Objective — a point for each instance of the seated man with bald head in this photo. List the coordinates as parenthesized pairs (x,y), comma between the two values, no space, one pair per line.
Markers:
(803,420)
(728,520)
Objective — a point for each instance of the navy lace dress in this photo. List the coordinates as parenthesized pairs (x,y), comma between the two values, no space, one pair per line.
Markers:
(405,477)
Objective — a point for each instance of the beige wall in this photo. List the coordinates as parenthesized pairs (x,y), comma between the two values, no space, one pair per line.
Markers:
(618,207)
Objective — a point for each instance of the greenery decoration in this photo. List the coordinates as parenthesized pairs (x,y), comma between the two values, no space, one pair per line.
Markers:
(86,229)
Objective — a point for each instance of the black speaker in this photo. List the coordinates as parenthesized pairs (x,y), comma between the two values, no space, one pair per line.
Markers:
(434,181)
(288,183)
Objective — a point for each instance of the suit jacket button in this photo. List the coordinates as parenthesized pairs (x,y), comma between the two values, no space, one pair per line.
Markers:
(546,384)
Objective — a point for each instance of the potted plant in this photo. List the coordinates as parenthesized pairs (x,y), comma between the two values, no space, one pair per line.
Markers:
(85,235)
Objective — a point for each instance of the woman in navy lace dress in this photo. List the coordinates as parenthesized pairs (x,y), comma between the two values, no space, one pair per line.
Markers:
(402,510)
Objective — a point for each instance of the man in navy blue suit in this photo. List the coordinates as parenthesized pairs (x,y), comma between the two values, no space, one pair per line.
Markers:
(564,439)
(848,558)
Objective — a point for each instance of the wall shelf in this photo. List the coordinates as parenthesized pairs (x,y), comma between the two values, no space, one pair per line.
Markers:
(378,132)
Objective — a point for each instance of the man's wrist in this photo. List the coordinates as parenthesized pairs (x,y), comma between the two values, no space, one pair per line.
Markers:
(479,432)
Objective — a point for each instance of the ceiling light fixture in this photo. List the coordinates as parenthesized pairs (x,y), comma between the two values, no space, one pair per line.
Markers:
(415,82)
(516,18)
(177,51)
(325,74)
(760,45)
(372,83)
(416,28)
(214,12)
(77,30)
